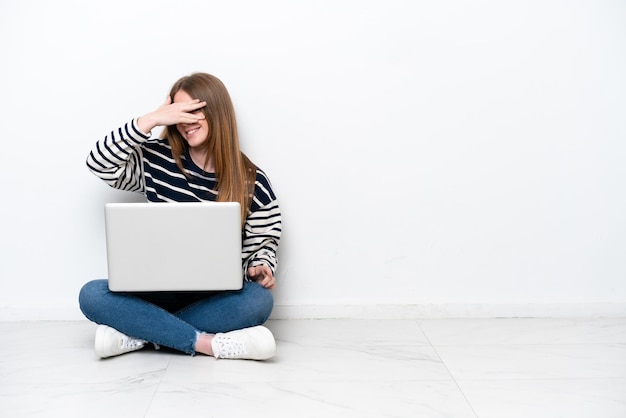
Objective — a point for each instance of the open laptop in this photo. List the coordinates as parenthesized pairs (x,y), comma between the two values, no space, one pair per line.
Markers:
(173,246)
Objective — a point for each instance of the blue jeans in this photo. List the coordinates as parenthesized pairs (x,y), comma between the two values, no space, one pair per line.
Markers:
(174,320)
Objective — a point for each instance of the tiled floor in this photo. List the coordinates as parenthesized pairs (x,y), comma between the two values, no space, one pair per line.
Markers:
(500,368)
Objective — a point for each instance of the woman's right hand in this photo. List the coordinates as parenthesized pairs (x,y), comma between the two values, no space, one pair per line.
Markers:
(171,114)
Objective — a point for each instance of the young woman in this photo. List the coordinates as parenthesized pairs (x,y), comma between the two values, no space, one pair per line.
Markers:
(198,159)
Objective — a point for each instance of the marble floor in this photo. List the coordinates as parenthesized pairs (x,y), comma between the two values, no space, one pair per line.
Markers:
(500,368)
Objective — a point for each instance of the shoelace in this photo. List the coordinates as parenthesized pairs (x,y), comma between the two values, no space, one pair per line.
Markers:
(129,343)
(229,348)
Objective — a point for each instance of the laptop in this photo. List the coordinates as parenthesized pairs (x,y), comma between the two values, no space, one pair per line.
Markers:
(155,247)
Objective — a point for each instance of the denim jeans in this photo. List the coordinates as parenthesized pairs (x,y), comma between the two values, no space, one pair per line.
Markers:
(174,320)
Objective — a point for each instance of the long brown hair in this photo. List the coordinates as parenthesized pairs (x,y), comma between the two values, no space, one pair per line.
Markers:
(235,173)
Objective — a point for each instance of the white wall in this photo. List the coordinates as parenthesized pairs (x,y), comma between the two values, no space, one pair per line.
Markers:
(431,158)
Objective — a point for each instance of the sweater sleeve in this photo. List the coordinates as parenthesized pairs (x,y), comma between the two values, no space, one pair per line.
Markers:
(262,230)
(116,159)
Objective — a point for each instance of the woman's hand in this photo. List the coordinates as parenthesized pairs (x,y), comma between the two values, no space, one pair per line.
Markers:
(171,114)
(262,274)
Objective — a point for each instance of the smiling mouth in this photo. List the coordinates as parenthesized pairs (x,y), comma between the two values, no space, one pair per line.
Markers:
(192,131)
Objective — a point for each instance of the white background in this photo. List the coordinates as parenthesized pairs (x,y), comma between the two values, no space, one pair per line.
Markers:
(455,157)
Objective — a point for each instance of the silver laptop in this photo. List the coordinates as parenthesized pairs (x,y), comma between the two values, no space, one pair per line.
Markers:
(173,246)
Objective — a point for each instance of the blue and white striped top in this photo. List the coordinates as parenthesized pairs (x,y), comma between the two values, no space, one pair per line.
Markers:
(129,159)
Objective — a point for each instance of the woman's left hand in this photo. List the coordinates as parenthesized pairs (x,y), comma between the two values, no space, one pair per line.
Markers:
(262,274)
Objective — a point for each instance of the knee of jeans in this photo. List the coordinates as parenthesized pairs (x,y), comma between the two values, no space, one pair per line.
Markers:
(264,302)
(89,295)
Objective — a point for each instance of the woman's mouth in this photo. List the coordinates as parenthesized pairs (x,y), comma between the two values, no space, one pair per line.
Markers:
(192,131)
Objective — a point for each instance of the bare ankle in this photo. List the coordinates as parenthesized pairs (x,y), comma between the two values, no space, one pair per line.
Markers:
(203,344)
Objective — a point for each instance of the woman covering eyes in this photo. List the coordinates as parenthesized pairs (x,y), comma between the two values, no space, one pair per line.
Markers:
(199,140)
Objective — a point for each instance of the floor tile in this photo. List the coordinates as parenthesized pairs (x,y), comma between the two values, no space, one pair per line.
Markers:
(525,331)
(313,399)
(547,398)
(344,332)
(94,400)
(534,361)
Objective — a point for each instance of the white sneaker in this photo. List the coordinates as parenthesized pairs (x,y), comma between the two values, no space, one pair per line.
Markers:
(256,343)
(110,342)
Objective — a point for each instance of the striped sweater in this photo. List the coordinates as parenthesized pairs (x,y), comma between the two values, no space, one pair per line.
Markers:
(129,159)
